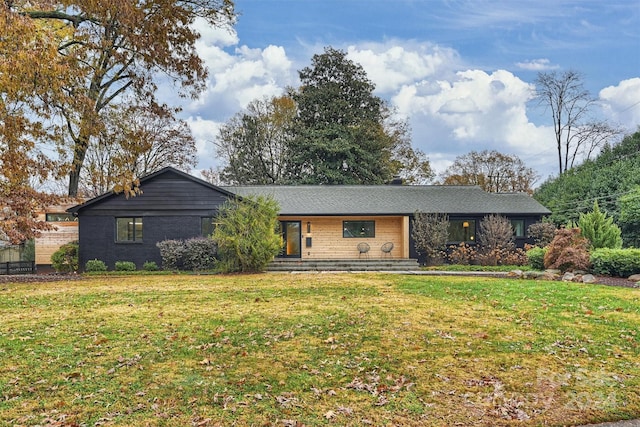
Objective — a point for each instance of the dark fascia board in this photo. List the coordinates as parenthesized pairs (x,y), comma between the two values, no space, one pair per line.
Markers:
(75,209)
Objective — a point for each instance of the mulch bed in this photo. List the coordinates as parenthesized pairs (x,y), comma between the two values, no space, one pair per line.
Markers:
(616,281)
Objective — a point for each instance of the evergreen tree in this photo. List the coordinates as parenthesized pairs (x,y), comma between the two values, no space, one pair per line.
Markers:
(247,234)
(599,229)
(630,217)
(612,174)
(340,134)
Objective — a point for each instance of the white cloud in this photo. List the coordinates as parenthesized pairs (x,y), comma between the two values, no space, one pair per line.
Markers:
(475,111)
(451,112)
(395,63)
(237,75)
(621,103)
(537,65)
(204,132)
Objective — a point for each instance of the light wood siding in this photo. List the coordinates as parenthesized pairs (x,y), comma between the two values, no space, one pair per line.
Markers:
(328,243)
(51,240)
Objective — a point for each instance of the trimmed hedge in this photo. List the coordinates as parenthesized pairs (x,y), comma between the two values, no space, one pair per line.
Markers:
(172,253)
(65,259)
(535,258)
(616,262)
(150,266)
(125,266)
(196,254)
(95,265)
(200,254)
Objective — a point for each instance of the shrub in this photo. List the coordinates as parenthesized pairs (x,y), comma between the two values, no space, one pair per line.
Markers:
(495,233)
(95,265)
(496,243)
(535,258)
(150,266)
(199,254)
(599,229)
(65,259)
(430,232)
(172,253)
(568,251)
(616,262)
(462,254)
(542,233)
(247,234)
(125,266)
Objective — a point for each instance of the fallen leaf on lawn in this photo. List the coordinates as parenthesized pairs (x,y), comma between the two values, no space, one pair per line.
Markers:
(329,414)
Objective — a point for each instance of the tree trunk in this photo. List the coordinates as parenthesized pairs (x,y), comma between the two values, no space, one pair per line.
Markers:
(79,152)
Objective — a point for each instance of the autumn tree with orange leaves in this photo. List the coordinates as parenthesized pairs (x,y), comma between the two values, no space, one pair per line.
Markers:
(30,67)
(119,47)
(63,63)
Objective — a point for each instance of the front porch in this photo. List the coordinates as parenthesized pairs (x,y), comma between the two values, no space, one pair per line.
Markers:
(389,264)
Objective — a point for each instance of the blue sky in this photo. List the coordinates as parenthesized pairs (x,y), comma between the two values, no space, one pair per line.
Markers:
(461,72)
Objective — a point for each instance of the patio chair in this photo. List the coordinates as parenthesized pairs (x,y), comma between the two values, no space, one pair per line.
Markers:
(387,248)
(363,248)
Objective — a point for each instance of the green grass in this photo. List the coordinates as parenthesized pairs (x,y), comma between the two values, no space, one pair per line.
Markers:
(323,349)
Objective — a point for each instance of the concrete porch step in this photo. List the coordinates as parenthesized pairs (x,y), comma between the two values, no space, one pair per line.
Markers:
(390,264)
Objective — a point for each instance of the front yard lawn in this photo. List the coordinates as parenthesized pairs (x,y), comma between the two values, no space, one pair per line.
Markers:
(317,349)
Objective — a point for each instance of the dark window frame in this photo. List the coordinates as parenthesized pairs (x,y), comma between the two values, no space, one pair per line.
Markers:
(523,232)
(207,223)
(359,229)
(458,233)
(132,233)
(60,217)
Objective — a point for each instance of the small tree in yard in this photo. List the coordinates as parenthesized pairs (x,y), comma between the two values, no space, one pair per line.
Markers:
(568,251)
(495,232)
(65,259)
(599,229)
(496,242)
(430,232)
(247,234)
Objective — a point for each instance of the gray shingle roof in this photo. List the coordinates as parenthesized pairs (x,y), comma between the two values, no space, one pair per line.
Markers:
(392,200)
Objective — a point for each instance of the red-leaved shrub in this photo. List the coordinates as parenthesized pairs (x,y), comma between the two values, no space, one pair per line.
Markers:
(568,251)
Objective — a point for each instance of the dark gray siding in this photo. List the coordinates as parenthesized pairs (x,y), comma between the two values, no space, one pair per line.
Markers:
(167,194)
(171,207)
(519,242)
(98,240)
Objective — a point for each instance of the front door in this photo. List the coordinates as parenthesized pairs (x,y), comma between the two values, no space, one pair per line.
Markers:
(292,237)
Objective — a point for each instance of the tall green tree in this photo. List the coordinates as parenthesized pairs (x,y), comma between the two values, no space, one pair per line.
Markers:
(331,130)
(493,171)
(116,47)
(612,174)
(340,132)
(630,217)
